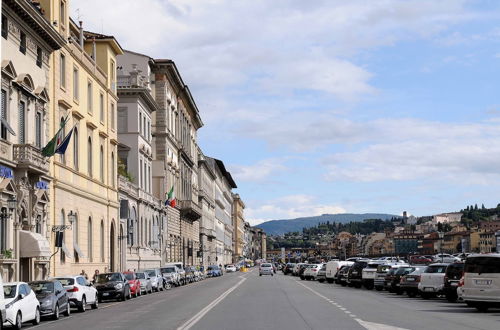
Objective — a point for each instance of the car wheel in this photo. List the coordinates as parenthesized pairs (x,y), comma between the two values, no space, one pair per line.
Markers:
(67,312)
(411,294)
(83,305)
(36,321)
(123,296)
(129,296)
(451,297)
(482,307)
(272,274)
(19,321)
(95,305)
(425,295)
(378,288)
(56,313)
(168,286)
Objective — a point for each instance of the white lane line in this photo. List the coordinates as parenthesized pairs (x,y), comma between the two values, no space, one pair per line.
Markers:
(364,324)
(192,321)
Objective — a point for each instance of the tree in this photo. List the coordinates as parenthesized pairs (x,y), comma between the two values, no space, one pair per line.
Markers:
(475,207)
(482,207)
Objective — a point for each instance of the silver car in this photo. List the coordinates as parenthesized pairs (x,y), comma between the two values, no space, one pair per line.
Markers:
(266,269)
(146,285)
(156,279)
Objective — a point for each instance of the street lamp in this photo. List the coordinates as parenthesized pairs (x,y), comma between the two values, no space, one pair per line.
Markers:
(71,217)
(11,204)
(441,235)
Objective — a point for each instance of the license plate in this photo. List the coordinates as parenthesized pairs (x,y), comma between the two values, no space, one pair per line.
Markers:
(105,293)
(429,289)
(410,279)
(483,282)
(454,284)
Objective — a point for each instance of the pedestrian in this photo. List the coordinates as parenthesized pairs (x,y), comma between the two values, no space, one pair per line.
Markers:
(84,274)
(96,273)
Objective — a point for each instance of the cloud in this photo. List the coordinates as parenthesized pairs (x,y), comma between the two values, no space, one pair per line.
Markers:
(258,172)
(288,207)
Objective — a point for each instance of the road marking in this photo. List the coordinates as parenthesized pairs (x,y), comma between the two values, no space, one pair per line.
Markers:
(364,324)
(192,321)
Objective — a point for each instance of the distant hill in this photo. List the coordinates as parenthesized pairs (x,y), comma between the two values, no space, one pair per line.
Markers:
(279,227)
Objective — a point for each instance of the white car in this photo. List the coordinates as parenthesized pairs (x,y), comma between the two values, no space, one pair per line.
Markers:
(171,274)
(333,266)
(156,279)
(481,281)
(266,269)
(2,302)
(445,258)
(311,272)
(80,292)
(231,268)
(432,280)
(295,271)
(21,304)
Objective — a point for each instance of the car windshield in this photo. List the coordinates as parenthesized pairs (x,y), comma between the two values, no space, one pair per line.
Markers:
(404,270)
(151,272)
(129,276)
(455,271)
(168,270)
(372,266)
(383,268)
(140,276)
(9,291)
(42,287)
(481,265)
(435,269)
(266,265)
(418,271)
(104,278)
(66,281)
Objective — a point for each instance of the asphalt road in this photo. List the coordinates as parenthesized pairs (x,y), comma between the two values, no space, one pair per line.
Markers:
(246,301)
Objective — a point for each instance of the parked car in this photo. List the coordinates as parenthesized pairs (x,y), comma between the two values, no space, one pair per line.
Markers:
(156,278)
(332,268)
(342,275)
(3,314)
(379,279)
(409,282)
(481,285)
(432,280)
(420,260)
(288,268)
(296,268)
(395,285)
(354,277)
(321,276)
(445,258)
(80,292)
(145,282)
(21,304)
(171,274)
(302,269)
(368,273)
(266,269)
(134,283)
(452,276)
(180,270)
(311,272)
(52,297)
(231,268)
(112,286)
(188,274)
(214,271)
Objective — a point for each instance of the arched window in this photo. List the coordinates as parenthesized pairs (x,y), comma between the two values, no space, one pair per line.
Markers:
(90,238)
(75,148)
(150,232)
(89,156)
(113,170)
(101,164)
(63,133)
(62,222)
(75,238)
(102,241)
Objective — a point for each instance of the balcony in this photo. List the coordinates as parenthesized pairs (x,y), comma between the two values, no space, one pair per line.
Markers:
(30,158)
(190,210)
(207,232)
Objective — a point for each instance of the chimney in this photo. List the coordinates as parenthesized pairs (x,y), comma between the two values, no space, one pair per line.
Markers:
(81,34)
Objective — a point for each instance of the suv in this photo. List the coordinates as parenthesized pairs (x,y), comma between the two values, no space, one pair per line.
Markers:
(368,273)
(80,292)
(432,280)
(342,275)
(156,279)
(379,279)
(452,277)
(354,277)
(395,285)
(112,286)
(171,275)
(481,287)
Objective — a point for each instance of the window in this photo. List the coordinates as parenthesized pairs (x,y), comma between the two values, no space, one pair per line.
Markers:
(89,97)
(39,56)
(144,126)
(22,43)
(101,107)
(89,157)
(3,230)
(38,129)
(62,13)
(140,123)
(5,27)
(76,85)
(62,222)
(89,239)
(22,122)
(113,115)
(113,170)
(62,69)
(149,178)
(3,129)
(113,75)
(102,240)
(75,148)
(63,132)
(147,135)
(38,225)
(101,164)
(140,173)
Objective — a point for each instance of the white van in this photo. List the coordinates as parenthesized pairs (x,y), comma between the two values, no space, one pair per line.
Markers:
(332,267)
(2,303)
(481,288)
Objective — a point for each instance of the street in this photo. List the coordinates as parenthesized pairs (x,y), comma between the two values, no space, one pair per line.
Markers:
(246,301)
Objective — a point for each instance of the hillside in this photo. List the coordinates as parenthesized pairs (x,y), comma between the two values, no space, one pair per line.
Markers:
(279,227)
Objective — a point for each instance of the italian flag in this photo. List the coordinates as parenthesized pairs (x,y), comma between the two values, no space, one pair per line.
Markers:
(171,198)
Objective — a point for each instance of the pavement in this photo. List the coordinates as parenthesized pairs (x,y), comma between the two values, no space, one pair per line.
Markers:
(246,301)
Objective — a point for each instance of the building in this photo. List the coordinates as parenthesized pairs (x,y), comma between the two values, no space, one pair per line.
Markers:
(206,198)
(489,225)
(141,213)
(447,218)
(405,242)
(28,40)
(84,198)
(487,242)
(239,228)
(259,249)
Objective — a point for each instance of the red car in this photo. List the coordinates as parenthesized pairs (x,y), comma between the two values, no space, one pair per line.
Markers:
(420,260)
(135,284)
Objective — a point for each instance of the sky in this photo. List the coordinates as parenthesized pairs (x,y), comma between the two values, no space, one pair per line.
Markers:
(333,106)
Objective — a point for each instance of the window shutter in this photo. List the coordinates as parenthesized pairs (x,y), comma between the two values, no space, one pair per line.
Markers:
(21,123)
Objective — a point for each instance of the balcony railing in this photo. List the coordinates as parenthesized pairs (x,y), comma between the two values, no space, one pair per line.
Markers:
(190,210)
(30,157)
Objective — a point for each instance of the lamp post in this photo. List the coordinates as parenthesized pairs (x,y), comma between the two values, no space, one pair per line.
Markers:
(441,235)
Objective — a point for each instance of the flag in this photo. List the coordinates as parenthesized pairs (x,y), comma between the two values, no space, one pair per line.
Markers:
(63,145)
(51,147)
(171,198)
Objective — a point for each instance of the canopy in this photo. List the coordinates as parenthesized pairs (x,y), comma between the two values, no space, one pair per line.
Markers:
(33,245)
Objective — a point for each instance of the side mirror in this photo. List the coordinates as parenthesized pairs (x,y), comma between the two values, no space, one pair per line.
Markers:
(124,280)
(22,296)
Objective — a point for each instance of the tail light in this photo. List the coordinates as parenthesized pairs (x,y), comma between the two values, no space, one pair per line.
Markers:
(417,278)
(445,279)
(461,282)
(73,289)
(402,279)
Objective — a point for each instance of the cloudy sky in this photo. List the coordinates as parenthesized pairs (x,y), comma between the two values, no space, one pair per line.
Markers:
(334,106)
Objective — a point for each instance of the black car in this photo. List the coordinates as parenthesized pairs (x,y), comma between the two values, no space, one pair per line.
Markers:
(52,297)
(302,269)
(288,269)
(112,286)
(342,275)
(355,272)
(454,273)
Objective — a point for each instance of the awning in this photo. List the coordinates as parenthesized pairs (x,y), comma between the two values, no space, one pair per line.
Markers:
(78,250)
(33,245)
(64,249)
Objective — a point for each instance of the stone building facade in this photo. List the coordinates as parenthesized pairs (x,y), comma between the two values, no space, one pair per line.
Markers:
(206,197)
(27,42)
(239,228)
